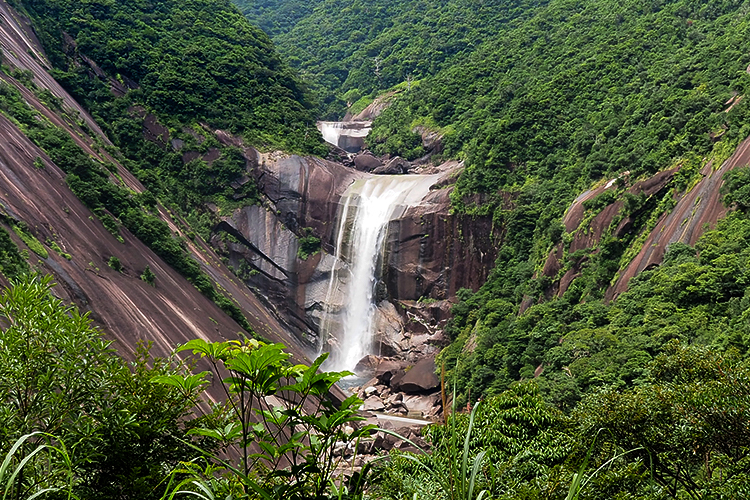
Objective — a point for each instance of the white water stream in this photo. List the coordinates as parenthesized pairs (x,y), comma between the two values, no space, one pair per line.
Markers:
(367,208)
(346,135)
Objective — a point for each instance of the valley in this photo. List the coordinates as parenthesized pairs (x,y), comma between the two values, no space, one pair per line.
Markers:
(524,221)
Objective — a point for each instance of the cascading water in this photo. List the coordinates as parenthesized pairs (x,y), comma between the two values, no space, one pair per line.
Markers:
(346,135)
(367,208)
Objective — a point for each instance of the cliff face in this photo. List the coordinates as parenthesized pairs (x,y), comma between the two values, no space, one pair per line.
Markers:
(690,213)
(429,253)
(128,309)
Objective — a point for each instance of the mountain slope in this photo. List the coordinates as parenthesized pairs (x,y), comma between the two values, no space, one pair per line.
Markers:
(64,237)
(350,49)
(634,105)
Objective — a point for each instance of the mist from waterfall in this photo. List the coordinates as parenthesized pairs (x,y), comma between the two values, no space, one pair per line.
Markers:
(368,206)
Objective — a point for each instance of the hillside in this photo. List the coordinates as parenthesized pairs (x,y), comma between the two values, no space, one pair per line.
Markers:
(574,97)
(546,101)
(350,50)
(607,144)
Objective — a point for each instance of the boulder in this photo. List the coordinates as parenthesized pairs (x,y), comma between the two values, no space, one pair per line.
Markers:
(420,379)
(394,166)
(386,369)
(367,365)
(366,162)
(396,380)
(373,403)
(422,405)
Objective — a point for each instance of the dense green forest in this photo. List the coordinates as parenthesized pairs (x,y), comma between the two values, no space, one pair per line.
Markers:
(350,50)
(275,17)
(577,93)
(197,66)
(542,100)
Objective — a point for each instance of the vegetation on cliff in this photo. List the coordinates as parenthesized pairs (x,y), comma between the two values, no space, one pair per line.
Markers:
(541,112)
(162,79)
(187,61)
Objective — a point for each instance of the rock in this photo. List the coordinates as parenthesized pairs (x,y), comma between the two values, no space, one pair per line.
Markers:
(420,379)
(395,384)
(375,107)
(394,167)
(366,162)
(371,391)
(367,365)
(396,398)
(422,405)
(373,403)
(389,330)
(386,369)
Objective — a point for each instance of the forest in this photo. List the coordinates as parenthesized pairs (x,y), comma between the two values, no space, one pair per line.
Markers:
(644,396)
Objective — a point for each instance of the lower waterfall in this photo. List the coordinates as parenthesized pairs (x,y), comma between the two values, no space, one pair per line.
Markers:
(367,207)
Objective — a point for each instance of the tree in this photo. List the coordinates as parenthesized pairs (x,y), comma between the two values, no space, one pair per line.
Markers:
(58,376)
(279,416)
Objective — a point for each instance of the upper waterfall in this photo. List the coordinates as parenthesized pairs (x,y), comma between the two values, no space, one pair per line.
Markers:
(349,136)
(367,208)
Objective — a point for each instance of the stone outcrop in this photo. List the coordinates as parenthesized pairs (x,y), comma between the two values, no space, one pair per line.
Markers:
(374,109)
(366,162)
(430,253)
(695,210)
(394,166)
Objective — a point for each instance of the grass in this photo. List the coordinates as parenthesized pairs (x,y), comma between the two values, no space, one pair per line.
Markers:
(58,476)
(460,481)
(34,244)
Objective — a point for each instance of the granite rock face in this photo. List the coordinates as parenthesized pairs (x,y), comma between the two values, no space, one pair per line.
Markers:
(429,253)
(127,309)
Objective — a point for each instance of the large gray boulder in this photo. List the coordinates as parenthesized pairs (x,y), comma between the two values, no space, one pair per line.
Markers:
(420,379)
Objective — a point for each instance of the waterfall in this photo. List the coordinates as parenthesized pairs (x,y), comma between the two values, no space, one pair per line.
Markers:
(349,136)
(367,208)
(331,132)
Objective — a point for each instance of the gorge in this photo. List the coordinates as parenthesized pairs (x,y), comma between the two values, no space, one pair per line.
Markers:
(545,204)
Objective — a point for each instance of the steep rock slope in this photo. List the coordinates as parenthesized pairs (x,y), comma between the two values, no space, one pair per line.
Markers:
(36,194)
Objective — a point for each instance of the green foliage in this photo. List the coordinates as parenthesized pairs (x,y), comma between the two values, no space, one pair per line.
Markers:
(23,232)
(509,440)
(43,458)
(148,276)
(459,482)
(308,244)
(58,376)
(736,188)
(578,343)
(12,264)
(279,409)
(686,424)
(115,264)
(369,46)
(197,61)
